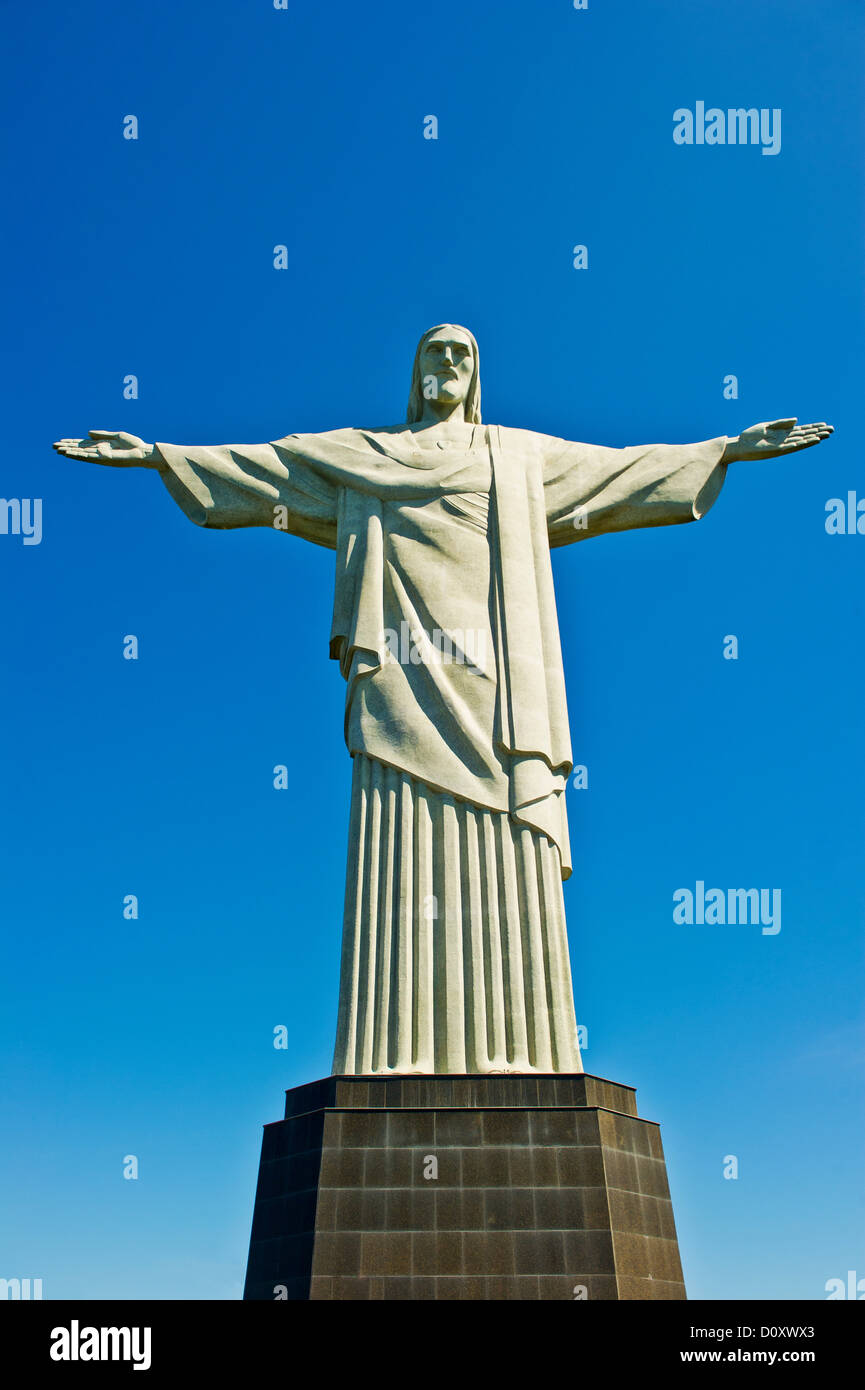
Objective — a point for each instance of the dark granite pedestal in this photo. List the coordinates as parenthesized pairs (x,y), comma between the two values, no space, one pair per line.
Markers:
(478,1187)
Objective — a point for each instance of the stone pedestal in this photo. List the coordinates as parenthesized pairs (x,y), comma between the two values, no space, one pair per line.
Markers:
(477,1187)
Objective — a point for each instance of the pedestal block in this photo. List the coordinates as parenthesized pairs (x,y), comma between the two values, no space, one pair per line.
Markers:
(453,1187)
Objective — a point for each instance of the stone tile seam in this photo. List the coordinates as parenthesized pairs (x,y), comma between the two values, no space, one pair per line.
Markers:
(456,1110)
(412,1078)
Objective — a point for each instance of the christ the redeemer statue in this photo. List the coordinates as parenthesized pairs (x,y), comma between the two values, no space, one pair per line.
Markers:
(455,953)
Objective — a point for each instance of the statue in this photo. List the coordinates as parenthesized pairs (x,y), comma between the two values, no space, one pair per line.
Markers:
(455,955)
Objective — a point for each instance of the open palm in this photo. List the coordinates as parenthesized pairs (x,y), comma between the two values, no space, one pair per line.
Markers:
(775,437)
(113,447)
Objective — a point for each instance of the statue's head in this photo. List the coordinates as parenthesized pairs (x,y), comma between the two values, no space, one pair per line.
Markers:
(446,364)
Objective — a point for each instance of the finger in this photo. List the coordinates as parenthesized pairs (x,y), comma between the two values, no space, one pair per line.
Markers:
(783,424)
(795,445)
(104,434)
(814,432)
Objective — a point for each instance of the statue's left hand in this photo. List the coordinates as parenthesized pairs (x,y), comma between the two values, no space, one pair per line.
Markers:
(773,438)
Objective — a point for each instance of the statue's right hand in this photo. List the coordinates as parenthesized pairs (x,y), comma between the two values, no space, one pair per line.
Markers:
(113,447)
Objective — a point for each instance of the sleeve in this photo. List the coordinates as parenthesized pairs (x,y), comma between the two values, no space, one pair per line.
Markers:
(224,486)
(590,490)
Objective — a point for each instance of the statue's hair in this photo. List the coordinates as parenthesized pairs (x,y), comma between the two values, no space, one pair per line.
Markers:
(473,396)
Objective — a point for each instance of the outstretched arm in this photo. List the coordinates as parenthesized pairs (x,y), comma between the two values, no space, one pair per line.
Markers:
(591,489)
(225,485)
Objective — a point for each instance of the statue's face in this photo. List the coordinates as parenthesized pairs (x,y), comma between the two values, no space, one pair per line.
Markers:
(447,356)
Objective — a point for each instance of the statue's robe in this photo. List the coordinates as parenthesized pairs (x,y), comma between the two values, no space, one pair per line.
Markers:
(455,951)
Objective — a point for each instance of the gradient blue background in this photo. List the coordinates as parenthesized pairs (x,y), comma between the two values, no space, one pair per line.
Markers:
(154,777)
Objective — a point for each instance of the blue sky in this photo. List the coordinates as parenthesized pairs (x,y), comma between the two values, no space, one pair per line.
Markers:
(304,127)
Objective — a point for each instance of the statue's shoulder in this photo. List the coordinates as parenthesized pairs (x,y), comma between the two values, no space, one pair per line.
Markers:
(383,435)
(354,433)
(528,441)
(550,447)
(349,436)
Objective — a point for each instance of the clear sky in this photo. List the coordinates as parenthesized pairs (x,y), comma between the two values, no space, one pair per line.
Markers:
(154,777)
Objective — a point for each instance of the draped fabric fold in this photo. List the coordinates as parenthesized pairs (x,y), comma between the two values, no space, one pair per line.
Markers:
(455,955)
(533,714)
